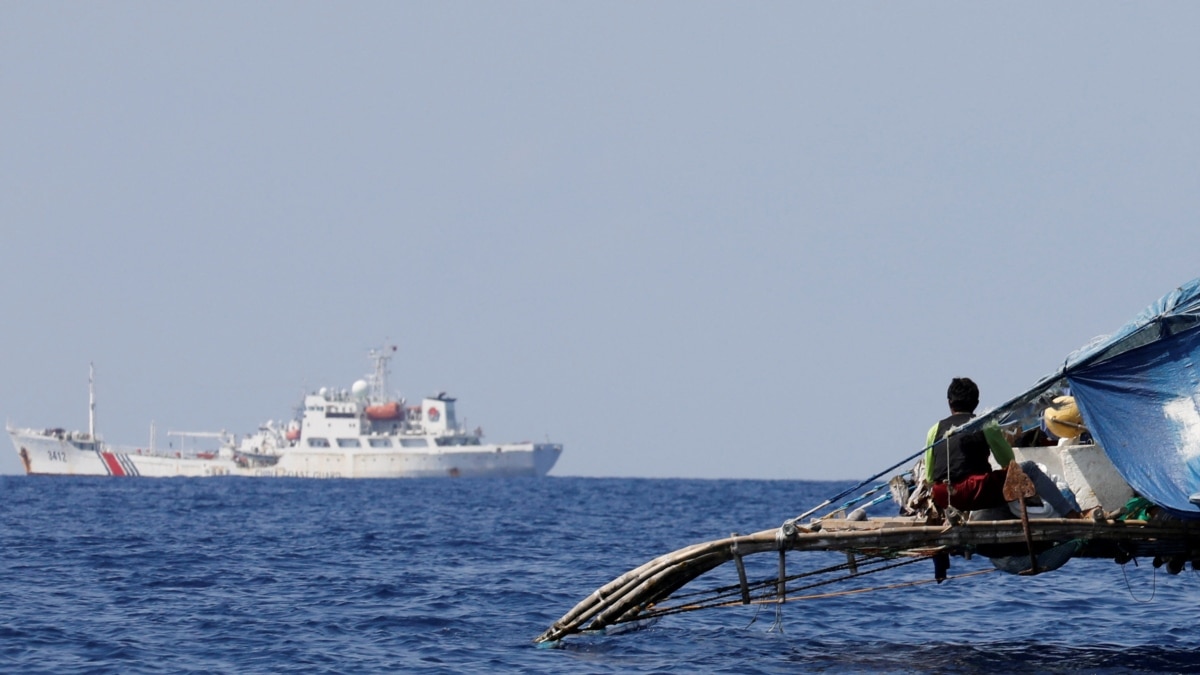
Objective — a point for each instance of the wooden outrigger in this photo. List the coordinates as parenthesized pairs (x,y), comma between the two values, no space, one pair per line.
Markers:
(1133,464)
(643,593)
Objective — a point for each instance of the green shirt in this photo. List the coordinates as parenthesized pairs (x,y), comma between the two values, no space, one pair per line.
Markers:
(1002,452)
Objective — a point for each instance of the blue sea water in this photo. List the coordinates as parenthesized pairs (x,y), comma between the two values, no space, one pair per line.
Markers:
(458,576)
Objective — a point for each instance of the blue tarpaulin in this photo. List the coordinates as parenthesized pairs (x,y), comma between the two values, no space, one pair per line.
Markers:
(1141,406)
(1139,393)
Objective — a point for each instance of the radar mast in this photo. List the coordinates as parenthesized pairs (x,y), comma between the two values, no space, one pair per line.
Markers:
(378,378)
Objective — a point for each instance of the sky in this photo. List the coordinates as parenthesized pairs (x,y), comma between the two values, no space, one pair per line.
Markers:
(684,239)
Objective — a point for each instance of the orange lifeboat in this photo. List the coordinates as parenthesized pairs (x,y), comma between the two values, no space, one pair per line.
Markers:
(292,434)
(384,411)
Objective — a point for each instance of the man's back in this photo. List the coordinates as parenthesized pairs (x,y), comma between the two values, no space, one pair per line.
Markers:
(966,454)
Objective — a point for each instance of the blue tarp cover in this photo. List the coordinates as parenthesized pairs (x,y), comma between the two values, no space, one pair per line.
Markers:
(1139,393)
(1142,408)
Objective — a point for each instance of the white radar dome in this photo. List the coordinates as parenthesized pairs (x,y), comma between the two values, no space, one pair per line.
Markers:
(359,388)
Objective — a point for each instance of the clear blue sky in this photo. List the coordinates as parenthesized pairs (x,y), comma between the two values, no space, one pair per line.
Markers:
(685,239)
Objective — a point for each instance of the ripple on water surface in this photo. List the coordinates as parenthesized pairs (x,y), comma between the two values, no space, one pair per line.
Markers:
(452,576)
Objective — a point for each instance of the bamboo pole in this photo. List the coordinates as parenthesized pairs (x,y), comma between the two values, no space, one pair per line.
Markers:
(743,584)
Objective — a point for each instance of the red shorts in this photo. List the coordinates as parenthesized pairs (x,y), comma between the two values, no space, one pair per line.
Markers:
(978,491)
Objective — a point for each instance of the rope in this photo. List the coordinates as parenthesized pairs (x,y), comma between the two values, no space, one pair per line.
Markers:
(843,493)
(777,625)
(723,591)
(771,600)
(848,490)
(719,597)
(878,500)
(857,591)
(851,502)
(1153,583)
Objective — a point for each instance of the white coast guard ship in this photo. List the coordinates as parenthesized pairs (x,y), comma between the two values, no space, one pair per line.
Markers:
(360,433)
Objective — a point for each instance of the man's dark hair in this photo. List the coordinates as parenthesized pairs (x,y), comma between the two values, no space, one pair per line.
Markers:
(963,395)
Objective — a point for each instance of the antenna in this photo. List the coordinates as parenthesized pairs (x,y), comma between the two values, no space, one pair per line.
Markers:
(92,400)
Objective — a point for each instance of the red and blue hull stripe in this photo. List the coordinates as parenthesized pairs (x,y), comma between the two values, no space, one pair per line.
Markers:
(117,464)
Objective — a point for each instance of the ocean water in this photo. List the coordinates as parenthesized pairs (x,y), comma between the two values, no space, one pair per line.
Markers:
(458,576)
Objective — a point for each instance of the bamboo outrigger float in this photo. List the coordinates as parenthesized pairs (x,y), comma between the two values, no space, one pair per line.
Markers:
(643,593)
(1133,465)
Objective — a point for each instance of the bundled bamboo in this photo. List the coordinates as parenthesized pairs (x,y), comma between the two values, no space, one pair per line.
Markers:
(633,595)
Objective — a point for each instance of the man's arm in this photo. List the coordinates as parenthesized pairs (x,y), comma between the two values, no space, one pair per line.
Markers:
(930,439)
(998,444)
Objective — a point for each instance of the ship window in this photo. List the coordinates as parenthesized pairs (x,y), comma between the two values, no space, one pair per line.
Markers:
(318,443)
(347,442)
(414,443)
(380,442)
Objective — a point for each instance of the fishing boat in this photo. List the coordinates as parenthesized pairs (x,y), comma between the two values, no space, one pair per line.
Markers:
(362,432)
(1129,456)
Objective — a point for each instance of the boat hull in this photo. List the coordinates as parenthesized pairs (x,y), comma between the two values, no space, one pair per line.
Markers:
(44,453)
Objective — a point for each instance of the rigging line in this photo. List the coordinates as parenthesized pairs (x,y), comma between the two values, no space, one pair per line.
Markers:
(851,502)
(777,626)
(767,582)
(847,491)
(865,563)
(903,584)
(722,591)
(716,601)
(878,500)
(1153,583)
(816,596)
(757,611)
(854,576)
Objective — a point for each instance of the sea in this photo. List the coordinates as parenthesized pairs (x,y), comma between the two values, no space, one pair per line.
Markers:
(216,575)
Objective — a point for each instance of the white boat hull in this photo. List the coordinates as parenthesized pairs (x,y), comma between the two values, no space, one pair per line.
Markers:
(49,454)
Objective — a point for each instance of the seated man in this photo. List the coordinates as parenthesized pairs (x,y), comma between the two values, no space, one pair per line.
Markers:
(958,468)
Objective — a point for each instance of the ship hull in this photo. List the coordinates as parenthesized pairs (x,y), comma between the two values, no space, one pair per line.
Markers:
(59,455)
